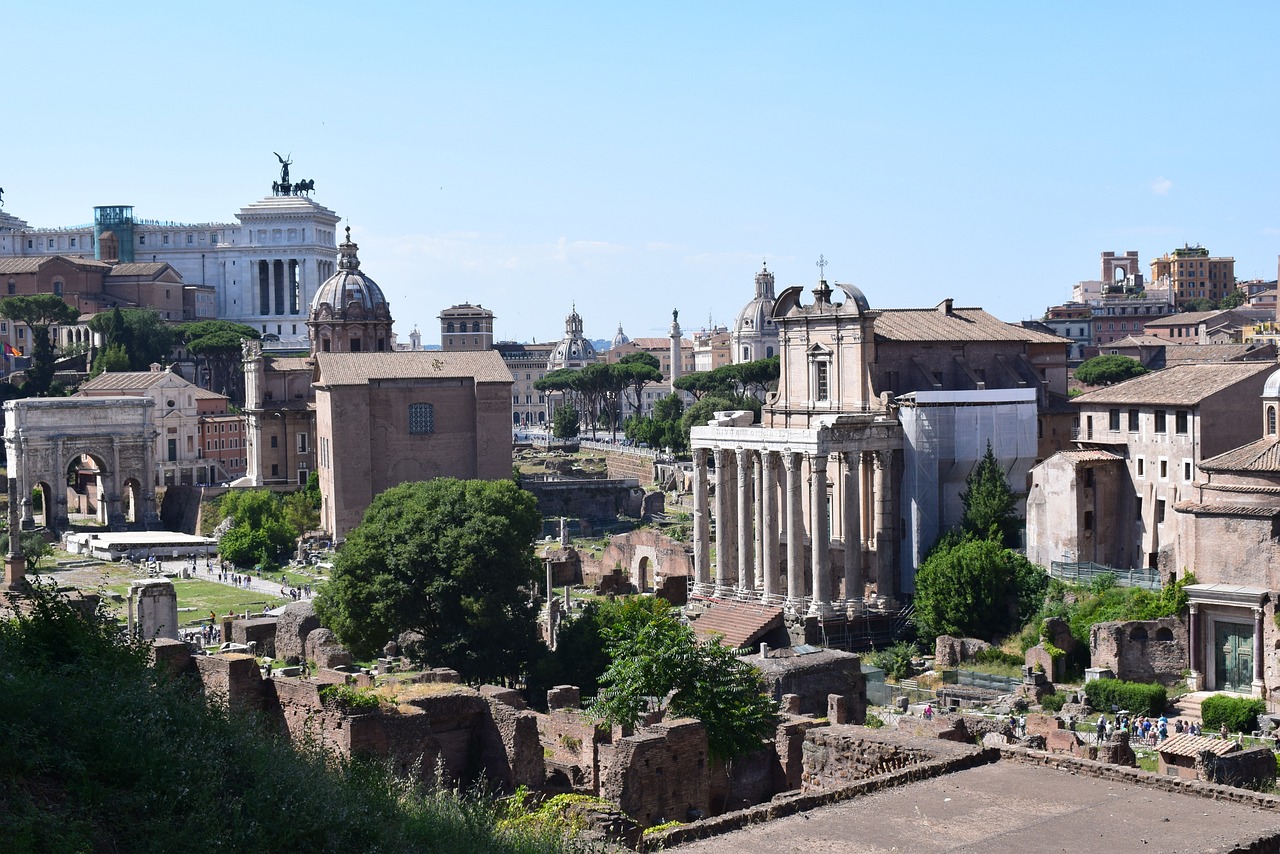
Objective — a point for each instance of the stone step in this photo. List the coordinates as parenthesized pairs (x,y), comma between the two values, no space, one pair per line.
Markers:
(741,624)
(1187,706)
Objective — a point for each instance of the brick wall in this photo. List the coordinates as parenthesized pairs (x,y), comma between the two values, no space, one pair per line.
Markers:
(1141,650)
(232,680)
(658,774)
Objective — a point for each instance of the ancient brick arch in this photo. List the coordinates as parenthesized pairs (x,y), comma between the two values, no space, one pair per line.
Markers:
(43,436)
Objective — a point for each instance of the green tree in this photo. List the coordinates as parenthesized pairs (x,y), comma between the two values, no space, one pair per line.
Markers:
(143,335)
(111,359)
(35,548)
(702,383)
(989,507)
(217,345)
(1235,299)
(38,312)
(706,407)
(1109,369)
(565,423)
(260,533)
(655,658)
(449,559)
(976,588)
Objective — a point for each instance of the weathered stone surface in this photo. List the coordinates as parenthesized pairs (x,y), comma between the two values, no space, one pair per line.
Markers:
(323,648)
(950,652)
(564,697)
(257,630)
(292,627)
(816,676)
(1141,650)
(658,774)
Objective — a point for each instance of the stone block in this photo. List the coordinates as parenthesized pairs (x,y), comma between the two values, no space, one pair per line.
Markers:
(259,630)
(564,697)
(171,655)
(323,648)
(292,627)
(837,709)
(791,704)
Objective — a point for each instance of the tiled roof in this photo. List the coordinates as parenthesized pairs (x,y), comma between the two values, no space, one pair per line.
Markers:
(288,363)
(359,368)
(961,324)
(31,264)
(1262,455)
(139,268)
(1089,456)
(1185,318)
(1186,744)
(1182,354)
(124,380)
(1183,385)
(1226,509)
(205,394)
(1137,341)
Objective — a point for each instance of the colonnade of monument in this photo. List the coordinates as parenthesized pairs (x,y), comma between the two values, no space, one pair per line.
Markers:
(760,508)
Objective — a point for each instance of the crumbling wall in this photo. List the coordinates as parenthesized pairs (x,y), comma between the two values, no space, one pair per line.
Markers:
(950,652)
(256,630)
(813,678)
(658,774)
(233,680)
(647,556)
(292,627)
(1141,650)
(835,756)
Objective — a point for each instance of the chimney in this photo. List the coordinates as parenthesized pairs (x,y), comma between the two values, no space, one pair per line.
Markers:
(944,307)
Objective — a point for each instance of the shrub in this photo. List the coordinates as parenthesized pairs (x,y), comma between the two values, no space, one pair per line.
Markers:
(895,661)
(874,721)
(1138,697)
(998,656)
(1053,702)
(1240,714)
(348,698)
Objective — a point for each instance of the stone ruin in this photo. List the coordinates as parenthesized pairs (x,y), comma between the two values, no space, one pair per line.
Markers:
(1141,650)
(153,609)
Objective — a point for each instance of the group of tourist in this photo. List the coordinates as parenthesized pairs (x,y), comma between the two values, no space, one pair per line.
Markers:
(1145,729)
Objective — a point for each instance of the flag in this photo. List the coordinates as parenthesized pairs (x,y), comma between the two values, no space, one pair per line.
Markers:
(10,350)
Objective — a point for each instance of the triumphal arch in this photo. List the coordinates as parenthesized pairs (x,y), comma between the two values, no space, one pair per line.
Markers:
(53,442)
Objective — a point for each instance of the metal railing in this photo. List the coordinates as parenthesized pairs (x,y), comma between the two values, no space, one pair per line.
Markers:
(1085,572)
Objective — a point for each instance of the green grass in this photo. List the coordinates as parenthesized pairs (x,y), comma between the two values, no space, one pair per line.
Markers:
(205,596)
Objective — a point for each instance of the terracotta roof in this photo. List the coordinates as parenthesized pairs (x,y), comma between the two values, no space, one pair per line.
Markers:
(125,380)
(1182,354)
(205,394)
(359,368)
(1182,385)
(961,324)
(31,264)
(1185,318)
(1137,341)
(1089,456)
(741,624)
(288,363)
(1186,744)
(1262,455)
(1198,508)
(139,268)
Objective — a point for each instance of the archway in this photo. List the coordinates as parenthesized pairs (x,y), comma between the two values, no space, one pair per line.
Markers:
(131,500)
(642,575)
(84,490)
(42,498)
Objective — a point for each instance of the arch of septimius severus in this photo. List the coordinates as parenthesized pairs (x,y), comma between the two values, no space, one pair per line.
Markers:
(815,480)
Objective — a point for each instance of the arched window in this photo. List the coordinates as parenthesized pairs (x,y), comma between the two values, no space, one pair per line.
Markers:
(1138,634)
(475,327)
(1271,420)
(448,327)
(422,418)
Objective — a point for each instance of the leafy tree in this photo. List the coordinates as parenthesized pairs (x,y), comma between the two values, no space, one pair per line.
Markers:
(217,344)
(449,559)
(705,407)
(989,506)
(143,335)
(260,533)
(636,370)
(976,588)
(39,312)
(111,359)
(565,424)
(34,549)
(1199,304)
(301,513)
(702,383)
(756,377)
(1235,299)
(1109,369)
(655,658)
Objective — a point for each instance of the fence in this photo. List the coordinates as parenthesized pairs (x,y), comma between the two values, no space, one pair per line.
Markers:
(1085,572)
(977,679)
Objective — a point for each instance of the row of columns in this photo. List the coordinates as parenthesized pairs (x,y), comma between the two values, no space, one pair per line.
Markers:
(750,520)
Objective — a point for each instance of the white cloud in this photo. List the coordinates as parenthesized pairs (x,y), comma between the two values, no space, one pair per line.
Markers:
(1161,186)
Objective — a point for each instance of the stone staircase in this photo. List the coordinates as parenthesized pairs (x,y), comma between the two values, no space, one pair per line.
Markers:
(741,623)
(1187,706)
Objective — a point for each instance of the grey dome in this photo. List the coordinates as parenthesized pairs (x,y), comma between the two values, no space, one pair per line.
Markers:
(348,292)
(1272,388)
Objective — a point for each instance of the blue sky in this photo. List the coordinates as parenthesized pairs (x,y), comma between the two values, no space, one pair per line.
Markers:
(635,158)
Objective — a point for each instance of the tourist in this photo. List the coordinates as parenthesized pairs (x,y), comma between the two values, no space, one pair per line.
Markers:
(1223,731)
(928,712)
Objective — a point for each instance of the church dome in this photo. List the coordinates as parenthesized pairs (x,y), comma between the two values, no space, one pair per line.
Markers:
(1272,388)
(574,350)
(348,293)
(620,338)
(753,334)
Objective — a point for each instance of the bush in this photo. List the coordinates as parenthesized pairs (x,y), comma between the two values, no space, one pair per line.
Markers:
(1138,697)
(348,698)
(998,656)
(895,661)
(1240,714)
(1053,702)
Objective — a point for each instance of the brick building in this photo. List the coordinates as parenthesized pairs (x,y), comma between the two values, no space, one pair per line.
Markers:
(1189,273)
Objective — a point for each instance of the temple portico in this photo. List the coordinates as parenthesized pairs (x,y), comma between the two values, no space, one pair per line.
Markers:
(778,489)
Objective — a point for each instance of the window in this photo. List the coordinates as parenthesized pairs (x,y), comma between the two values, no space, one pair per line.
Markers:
(1160,420)
(165,240)
(1142,466)
(1186,469)
(1113,420)
(1159,510)
(1164,469)
(275,441)
(820,381)
(1088,520)
(142,240)
(422,418)
(1133,421)
(1180,422)
(302,443)
(275,470)
(1138,506)
(448,327)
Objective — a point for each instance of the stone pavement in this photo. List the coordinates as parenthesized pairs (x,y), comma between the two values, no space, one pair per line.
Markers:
(1008,807)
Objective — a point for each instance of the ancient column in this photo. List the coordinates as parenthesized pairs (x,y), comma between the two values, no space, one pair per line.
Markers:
(854,585)
(795,531)
(746,514)
(769,561)
(15,566)
(884,546)
(819,525)
(1259,669)
(701,525)
(1195,681)
(726,523)
(757,514)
